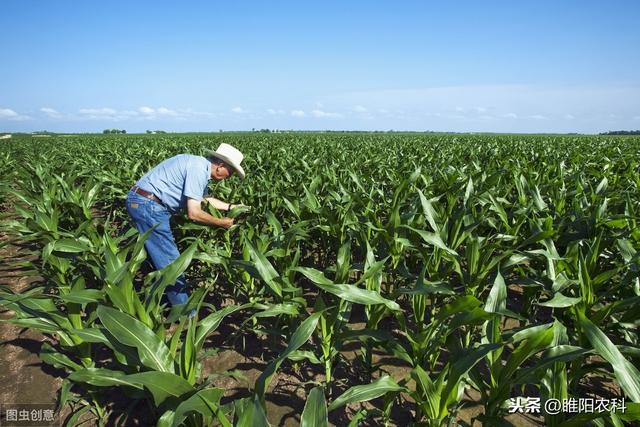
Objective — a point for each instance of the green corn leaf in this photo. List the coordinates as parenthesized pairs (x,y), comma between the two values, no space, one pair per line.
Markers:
(582,420)
(316,276)
(432,239)
(497,299)
(299,355)
(265,270)
(300,336)
(294,209)
(560,301)
(429,394)
(43,325)
(212,321)
(426,288)
(83,296)
(94,335)
(429,213)
(349,293)
(632,413)
(129,331)
(169,275)
(188,354)
(537,199)
(529,332)
(102,378)
(249,412)
(58,360)
(343,262)
(468,191)
(162,385)
(626,249)
(363,393)
(70,246)
(559,353)
(462,303)
(315,410)
(75,415)
(602,186)
(125,354)
(357,295)
(459,368)
(206,403)
(278,309)
(538,339)
(628,375)
(475,316)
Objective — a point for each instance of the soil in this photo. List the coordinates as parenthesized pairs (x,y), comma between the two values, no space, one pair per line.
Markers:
(25,379)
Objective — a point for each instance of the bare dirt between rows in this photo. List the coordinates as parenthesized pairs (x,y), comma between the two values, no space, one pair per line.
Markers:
(25,379)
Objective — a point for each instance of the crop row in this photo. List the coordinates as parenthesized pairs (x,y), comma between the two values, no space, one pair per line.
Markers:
(503,264)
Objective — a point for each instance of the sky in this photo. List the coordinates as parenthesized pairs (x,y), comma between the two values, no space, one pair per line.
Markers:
(463,66)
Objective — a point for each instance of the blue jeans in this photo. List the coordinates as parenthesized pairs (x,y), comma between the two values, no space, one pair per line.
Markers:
(161,246)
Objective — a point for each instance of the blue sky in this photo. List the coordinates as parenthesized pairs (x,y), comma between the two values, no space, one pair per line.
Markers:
(502,66)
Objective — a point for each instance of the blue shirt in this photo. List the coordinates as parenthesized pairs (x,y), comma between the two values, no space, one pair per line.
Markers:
(177,179)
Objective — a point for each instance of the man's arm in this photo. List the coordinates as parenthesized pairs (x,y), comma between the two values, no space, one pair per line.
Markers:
(195,213)
(219,204)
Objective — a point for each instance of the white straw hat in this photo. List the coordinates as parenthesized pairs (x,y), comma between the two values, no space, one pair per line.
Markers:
(231,156)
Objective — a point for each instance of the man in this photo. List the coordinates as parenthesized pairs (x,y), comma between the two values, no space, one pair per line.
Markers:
(180,183)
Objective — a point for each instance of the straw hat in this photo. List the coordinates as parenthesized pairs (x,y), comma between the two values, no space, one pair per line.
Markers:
(231,156)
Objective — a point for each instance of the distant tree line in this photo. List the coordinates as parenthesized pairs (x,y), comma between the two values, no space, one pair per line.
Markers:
(114,131)
(622,132)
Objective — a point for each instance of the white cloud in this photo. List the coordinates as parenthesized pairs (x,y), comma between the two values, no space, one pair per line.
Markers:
(360,109)
(275,112)
(146,110)
(9,114)
(324,114)
(537,117)
(163,111)
(297,113)
(636,117)
(238,110)
(480,109)
(6,113)
(569,116)
(141,114)
(108,114)
(510,116)
(51,113)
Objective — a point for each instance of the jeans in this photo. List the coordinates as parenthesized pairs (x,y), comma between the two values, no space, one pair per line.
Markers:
(161,246)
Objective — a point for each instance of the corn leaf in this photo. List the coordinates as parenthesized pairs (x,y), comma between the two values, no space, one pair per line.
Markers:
(315,410)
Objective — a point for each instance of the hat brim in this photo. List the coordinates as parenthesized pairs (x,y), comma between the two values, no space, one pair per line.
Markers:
(228,161)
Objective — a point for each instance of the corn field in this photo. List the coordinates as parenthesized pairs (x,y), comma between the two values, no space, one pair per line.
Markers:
(490,266)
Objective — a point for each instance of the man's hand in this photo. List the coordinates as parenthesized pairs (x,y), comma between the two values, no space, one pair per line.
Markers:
(226,222)
(195,213)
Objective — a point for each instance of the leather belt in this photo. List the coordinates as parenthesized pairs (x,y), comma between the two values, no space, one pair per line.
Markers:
(145,193)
